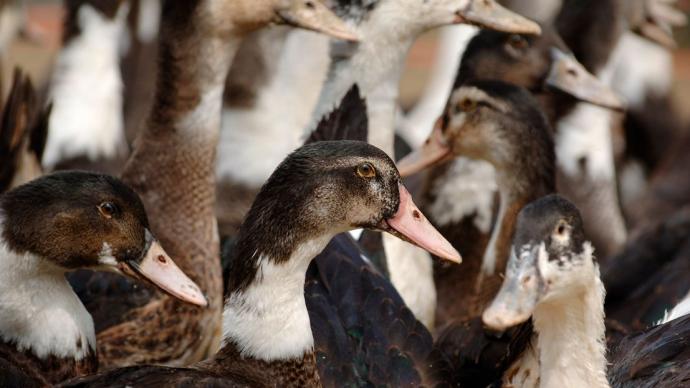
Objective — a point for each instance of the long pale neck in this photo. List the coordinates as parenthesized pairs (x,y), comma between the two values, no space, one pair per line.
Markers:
(571,341)
(268,319)
(376,65)
(39,311)
(172,167)
(516,189)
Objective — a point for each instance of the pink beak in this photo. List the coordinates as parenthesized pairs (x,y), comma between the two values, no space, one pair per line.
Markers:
(434,150)
(410,224)
(159,269)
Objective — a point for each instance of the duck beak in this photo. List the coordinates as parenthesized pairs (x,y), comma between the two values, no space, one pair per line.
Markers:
(521,291)
(409,224)
(569,76)
(158,268)
(488,14)
(434,150)
(316,16)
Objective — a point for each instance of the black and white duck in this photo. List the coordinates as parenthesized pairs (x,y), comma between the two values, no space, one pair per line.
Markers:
(53,225)
(553,278)
(172,168)
(320,190)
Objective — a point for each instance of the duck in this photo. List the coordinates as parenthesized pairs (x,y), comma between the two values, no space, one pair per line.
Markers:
(553,279)
(388,29)
(545,66)
(87,73)
(23,127)
(503,125)
(364,333)
(333,187)
(172,168)
(587,137)
(59,223)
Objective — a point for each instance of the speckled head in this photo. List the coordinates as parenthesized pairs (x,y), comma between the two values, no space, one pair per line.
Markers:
(490,120)
(76,220)
(549,260)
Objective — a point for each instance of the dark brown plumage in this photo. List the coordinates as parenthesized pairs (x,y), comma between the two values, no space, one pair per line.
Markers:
(23,130)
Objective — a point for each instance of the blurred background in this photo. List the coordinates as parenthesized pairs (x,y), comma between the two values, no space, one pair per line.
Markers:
(36,51)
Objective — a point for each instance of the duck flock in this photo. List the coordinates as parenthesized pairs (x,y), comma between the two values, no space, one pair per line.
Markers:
(221,193)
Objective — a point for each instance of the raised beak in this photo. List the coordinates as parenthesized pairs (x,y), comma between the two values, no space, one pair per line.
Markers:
(569,76)
(521,290)
(316,16)
(488,14)
(410,225)
(159,269)
(434,150)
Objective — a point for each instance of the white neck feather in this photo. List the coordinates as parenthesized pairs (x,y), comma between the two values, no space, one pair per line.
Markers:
(376,66)
(489,260)
(255,140)
(38,309)
(87,74)
(269,319)
(571,331)
(467,188)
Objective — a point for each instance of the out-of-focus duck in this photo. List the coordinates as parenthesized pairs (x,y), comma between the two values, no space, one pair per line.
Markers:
(60,223)
(503,125)
(23,128)
(268,340)
(172,168)
(87,74)
(553,278)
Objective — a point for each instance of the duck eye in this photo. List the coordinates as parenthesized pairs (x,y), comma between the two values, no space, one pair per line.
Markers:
(467,105)
(518,42)
(366,170)
(107,209)
(561,229)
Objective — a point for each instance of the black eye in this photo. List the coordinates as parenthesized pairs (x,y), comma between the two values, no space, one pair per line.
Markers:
(518,42)
(466,105)
(107,209)
(366,170)
(561,229)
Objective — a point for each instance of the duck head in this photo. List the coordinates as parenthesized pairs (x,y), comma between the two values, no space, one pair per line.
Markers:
(537,63)
(329,187)
(312,15)
(488,120)
(482,13)
(79,220)
(549,260)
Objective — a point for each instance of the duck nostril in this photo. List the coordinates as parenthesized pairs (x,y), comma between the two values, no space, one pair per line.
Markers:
(162,259)
(416,214)
(309,4)
(572,72)
(526,280)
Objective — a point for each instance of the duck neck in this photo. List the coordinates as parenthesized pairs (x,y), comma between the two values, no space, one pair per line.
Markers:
(571,343)
(375,65)
(267,319)
(518,186)
(39,312)
(172,166)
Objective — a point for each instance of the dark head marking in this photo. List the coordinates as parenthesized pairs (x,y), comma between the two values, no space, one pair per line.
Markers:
(73,218)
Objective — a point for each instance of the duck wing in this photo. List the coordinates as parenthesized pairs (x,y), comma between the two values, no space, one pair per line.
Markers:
(655,358)
(363,333)
(656,273)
